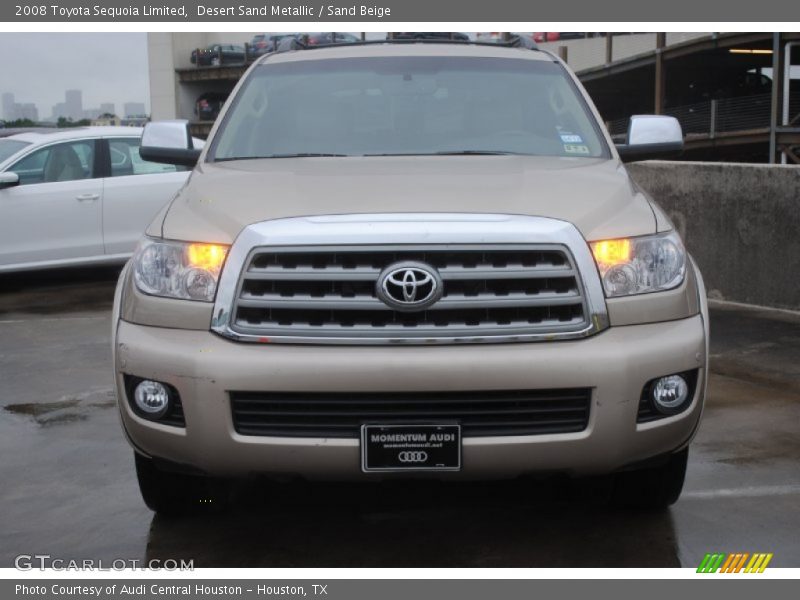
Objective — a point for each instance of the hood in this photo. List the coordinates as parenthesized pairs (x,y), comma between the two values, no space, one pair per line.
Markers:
(220,199)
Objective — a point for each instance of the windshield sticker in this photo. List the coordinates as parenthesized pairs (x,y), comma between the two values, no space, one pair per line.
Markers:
(571,138)
(576,149)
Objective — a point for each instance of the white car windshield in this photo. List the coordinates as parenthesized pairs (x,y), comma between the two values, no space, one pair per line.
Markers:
(408,106)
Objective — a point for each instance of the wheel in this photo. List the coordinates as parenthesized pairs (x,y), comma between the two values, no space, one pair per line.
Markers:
(174,494)
(654,487)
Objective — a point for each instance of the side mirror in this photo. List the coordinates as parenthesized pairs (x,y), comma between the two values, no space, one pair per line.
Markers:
(169,142)
(652,136)
(8,179)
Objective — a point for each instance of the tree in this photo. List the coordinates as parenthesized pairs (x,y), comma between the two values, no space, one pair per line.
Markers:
(64,122)
(20,123)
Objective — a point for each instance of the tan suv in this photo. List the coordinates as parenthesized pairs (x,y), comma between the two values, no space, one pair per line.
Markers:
(405,259)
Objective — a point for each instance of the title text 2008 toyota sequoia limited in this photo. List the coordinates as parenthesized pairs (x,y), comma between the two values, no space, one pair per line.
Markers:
(410,259)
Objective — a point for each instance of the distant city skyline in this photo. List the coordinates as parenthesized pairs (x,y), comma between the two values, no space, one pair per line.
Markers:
(71,108)
(13,110)
(104,68)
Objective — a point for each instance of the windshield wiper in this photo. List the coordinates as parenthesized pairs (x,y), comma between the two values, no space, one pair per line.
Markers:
(475,152)
(451,153)
(287,155)
(303,155)
(327,154)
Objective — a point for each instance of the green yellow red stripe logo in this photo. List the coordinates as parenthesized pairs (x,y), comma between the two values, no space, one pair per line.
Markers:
(737,562)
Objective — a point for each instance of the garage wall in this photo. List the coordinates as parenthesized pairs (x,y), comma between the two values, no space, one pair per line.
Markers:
(169,51)
(163,85)
(741,223)
(591,52)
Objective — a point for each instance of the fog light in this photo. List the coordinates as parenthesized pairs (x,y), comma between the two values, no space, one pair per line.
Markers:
(669,393)
(152,398)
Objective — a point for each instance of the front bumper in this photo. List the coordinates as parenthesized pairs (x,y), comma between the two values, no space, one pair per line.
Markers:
(616,364)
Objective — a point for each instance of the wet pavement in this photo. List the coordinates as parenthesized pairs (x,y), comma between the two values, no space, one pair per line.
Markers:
(68,486)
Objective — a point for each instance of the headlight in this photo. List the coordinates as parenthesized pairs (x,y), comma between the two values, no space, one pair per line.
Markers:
(640,265)
(189,271)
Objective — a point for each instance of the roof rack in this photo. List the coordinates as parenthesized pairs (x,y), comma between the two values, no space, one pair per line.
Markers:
(512,41)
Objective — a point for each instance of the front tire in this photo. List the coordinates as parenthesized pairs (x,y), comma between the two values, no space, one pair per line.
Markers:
(174,494)
(654,487)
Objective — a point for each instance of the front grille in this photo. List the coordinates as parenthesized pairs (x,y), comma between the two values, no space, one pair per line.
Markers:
(495,290)
(341,414)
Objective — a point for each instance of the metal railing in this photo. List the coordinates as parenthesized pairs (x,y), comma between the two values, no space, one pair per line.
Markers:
(725,115)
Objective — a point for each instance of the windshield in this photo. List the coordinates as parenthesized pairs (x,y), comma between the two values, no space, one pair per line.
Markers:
(408,106)
(9,148)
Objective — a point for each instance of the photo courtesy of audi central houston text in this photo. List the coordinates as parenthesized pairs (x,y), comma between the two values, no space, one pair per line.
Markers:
(368,286)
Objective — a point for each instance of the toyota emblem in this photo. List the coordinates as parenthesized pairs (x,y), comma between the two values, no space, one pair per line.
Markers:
(409,286)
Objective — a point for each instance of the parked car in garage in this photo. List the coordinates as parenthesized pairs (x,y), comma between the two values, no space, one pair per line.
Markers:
(208,105)
(556,36)
(218,54)
(428,35)
(325,38)
(263,43)
(545,36)
(78,196)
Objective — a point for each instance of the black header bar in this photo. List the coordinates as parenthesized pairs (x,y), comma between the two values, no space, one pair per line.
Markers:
(440,11)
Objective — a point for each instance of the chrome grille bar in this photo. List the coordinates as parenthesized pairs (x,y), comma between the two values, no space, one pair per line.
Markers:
(249,300)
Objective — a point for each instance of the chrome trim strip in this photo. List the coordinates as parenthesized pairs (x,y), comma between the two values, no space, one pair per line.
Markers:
(399,231)
(370,303)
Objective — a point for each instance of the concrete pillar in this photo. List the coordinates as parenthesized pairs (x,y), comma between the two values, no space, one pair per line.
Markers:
(661,41)
(777,81)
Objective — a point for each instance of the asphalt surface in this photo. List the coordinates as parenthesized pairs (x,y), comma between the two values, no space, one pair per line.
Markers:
(67,485)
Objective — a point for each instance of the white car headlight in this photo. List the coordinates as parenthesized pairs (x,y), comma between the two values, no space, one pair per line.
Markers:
(188,271)
(640,265)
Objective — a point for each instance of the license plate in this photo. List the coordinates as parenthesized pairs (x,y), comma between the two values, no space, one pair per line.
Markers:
(411,447)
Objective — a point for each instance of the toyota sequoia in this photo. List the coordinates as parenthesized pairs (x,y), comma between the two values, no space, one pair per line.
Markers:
(410,259)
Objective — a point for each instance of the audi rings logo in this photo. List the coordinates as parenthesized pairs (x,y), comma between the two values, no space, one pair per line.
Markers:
(412,456)
(409,286)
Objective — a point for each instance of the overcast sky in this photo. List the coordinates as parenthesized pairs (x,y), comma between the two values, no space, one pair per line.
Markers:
(108,67)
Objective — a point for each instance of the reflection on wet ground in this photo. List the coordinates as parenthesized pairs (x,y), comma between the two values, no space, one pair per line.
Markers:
(69,487)
(512,524)
(70,408)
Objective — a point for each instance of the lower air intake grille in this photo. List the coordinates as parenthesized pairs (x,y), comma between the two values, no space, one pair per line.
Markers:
(480,413)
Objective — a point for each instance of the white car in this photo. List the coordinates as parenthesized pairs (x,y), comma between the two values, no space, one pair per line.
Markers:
(78,197)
